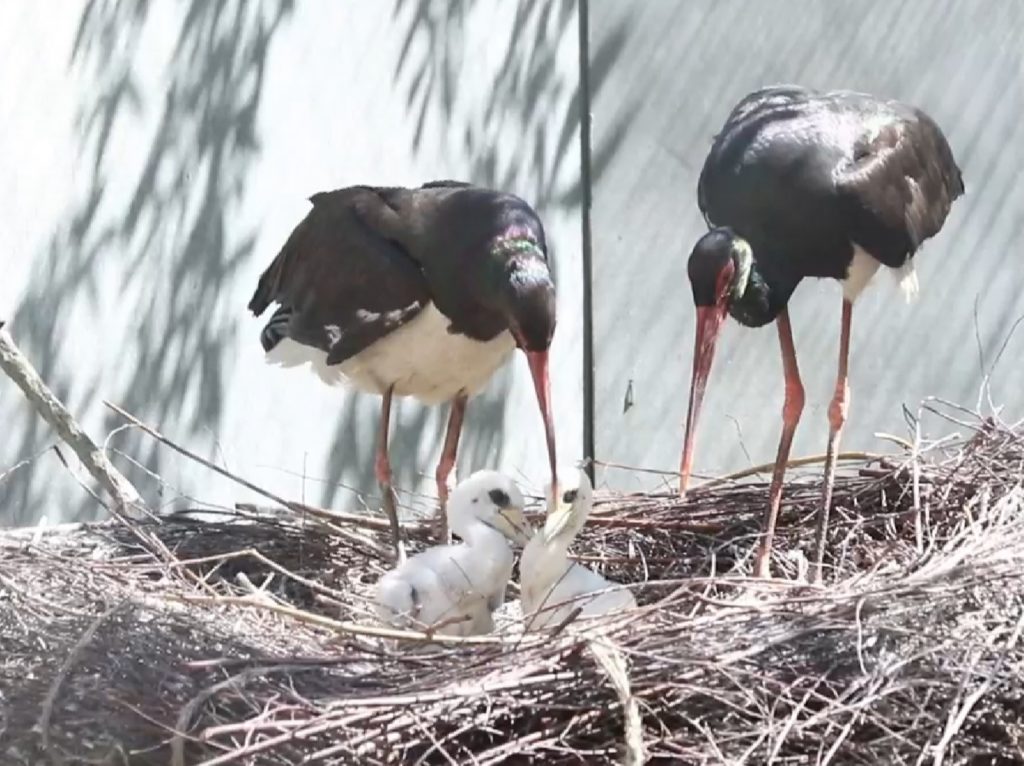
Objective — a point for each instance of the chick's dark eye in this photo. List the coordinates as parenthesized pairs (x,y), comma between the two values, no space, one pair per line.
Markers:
(569,496)
(500,498)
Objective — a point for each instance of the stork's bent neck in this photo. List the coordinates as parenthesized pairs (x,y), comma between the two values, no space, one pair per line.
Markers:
(765,296)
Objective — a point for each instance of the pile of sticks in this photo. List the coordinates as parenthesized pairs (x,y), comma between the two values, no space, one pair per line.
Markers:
(250,639)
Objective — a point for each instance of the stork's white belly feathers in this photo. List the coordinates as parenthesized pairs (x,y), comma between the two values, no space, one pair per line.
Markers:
(421,359)
(862,269)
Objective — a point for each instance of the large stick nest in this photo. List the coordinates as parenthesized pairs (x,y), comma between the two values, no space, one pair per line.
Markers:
(165,642)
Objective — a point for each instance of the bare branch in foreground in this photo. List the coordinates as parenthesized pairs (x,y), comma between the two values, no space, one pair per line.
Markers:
(53,411)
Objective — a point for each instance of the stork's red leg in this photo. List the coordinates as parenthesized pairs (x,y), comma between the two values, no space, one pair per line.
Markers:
(382,467)
(836,418)
(447,462)
(794,405)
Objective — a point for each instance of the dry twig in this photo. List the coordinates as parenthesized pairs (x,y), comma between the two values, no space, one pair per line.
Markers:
(53,411)
(911,651)
(46,711)
(318,513)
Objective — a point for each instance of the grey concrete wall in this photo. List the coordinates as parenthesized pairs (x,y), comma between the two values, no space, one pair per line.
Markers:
(683,66)
(155,155)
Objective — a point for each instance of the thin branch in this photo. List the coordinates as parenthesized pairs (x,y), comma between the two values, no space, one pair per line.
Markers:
(753,470)
(319,513)
(339,626)
(956,720)
(612,661)
(341,517)
(53,411)
(796,462)
(188,711)
(46,711)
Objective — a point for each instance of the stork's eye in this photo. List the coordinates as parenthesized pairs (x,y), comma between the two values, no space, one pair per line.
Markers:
(570,496)
(500,498)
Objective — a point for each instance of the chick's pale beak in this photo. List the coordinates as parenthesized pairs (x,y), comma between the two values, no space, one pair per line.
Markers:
(512,523)
(557,520)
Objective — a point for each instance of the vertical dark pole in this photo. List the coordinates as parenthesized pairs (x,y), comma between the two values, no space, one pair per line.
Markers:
(586,242)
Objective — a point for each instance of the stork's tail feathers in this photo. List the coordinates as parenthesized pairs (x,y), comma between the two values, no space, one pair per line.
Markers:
(906,279)
(268,288)
(276,329)
(264,291)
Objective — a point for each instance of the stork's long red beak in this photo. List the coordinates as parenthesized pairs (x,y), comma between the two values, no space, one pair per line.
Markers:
(709,322)
(538,361)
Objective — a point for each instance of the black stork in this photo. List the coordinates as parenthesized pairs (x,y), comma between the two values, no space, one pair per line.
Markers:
(801,183)
(421,292)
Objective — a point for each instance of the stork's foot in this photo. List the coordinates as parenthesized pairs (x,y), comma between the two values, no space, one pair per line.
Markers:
(762,563)
(391,511)
(445,474)
(836,420)
(440,525)
(815,577)
(382,469)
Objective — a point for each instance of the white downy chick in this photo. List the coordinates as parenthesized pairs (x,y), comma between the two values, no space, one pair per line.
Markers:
(551,585)
(460,585)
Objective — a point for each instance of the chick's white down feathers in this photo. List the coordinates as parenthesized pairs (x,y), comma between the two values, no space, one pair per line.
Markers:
(454,589)
(552,586)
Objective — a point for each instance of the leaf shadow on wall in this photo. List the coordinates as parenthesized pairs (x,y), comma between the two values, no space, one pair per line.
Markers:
(506,130)
(152,265)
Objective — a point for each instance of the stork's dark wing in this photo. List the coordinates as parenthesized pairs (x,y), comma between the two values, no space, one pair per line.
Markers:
(748,117)
(898,189)
(446,183)
(409,218)
(341,282)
